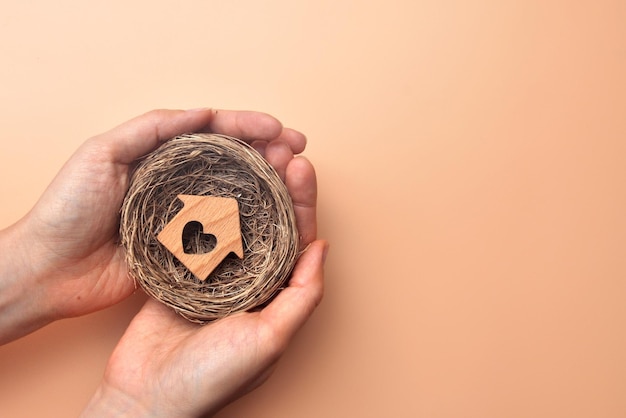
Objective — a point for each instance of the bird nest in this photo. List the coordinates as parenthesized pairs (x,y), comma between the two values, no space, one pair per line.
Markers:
(209,165)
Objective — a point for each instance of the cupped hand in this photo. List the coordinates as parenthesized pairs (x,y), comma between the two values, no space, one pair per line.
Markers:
(165,366)
(75,265)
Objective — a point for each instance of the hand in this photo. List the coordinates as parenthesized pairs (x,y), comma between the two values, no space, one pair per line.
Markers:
(74,264)
(166,366)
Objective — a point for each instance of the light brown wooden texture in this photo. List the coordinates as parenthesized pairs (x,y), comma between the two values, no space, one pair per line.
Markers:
(218,216)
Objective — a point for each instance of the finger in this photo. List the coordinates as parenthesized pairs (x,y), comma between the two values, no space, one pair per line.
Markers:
(245,125)
(302,185)
(279,154)
(295,139)
(295,304)
(260,147)
(139,136)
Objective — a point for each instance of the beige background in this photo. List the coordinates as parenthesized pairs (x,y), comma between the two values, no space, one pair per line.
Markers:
(472,185)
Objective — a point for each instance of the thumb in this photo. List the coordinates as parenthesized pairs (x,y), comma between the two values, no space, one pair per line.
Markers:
(141,135)
(286,314)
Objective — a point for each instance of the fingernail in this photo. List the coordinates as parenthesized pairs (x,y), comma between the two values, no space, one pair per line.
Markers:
(260,147)
(325,253)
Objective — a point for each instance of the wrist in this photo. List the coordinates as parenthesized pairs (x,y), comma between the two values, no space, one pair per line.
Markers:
(21,301)
(109,402)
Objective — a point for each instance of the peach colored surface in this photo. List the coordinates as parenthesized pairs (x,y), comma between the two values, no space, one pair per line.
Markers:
(471,161)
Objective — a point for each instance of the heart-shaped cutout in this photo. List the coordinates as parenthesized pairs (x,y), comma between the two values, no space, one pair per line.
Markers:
(195,241)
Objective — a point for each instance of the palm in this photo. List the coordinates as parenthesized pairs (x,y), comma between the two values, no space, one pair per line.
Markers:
(198,369)
(144,363)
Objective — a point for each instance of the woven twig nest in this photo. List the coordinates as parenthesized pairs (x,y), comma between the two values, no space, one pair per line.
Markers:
(209,165)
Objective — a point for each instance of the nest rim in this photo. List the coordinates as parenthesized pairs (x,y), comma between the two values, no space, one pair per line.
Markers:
(209,165)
